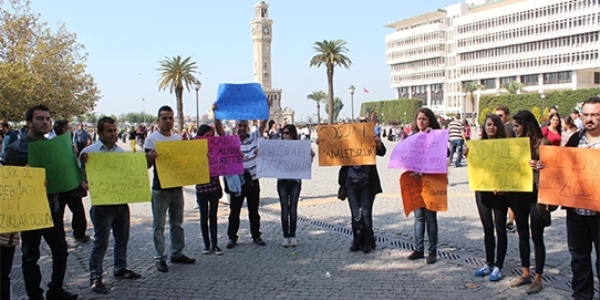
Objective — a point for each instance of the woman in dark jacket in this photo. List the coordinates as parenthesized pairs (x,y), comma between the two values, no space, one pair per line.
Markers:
(361,184)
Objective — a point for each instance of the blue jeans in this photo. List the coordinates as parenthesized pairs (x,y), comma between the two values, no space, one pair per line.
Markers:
(361,206)
(424,217)
(457,145)
(289,192)
(171,200)
(208,203)
(105,218)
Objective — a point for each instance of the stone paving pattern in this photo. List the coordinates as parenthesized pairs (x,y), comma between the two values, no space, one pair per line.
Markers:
(250,271)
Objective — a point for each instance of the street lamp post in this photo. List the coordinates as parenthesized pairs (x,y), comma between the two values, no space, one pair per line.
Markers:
(543,96)
(144,108)
(404,118)
(351,89)
(197,86)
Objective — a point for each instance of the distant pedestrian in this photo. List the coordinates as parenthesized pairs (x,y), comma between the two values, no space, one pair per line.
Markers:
(456,133)
(81,138)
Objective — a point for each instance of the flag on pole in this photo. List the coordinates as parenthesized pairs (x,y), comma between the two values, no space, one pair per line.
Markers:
(365,91)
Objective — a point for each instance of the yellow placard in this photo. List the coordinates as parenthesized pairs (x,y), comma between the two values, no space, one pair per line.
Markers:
(182,163)
(500,164)
(347,144)
(117,178)
(23,200)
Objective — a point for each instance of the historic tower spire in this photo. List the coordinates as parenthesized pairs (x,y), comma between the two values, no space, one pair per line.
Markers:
(261,27)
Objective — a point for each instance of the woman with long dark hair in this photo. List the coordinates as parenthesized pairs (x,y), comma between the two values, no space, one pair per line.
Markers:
(552,132)
(425,121)
(524,206)
(568,128)
(492,208)
(207,196)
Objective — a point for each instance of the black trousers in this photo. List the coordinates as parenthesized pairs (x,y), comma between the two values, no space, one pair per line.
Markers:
(75,204)
(252,195)
(30,246)
(582,233)
(6,261)
(524,206)
(492,213)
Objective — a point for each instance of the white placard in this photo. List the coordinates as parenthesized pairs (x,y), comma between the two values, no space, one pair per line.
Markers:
(284,159)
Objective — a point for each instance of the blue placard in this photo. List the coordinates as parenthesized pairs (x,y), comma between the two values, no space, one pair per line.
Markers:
(245,101)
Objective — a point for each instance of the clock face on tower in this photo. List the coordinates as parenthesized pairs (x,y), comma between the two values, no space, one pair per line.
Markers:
(266,30)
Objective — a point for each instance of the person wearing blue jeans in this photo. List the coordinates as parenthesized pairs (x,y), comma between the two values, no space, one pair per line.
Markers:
(458,147)
(456,135)
(289,192)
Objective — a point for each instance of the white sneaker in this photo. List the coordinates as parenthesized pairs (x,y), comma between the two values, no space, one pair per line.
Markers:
(293,242)
(286,242)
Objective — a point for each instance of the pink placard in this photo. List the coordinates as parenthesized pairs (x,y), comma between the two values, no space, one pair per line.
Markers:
(224,155)
(422,152)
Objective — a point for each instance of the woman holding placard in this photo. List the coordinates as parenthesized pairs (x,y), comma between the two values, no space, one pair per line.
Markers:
(425,121)
(289,193)
(492,208)
(524,206)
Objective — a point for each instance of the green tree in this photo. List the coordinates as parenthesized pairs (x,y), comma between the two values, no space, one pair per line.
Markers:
(41,66)
(512,88)
(337,107)
(319,98)
(91,118)
(176,74)
(331,54)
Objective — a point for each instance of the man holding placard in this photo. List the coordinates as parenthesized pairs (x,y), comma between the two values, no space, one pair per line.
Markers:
(107,217)
(164,199)
(39,123)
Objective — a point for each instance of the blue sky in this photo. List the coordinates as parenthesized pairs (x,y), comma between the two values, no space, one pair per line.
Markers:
(125,39)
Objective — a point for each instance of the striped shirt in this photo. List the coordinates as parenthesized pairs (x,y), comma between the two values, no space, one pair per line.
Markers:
(456,130)
(249,147)
(584,143)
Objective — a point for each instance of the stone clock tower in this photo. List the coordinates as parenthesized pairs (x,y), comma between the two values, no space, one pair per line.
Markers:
(262,35)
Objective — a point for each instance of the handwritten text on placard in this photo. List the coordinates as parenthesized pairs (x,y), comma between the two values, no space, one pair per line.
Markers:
(23,199)
(571,177)
(347,144)
(117,178)
(500,164)
(285,159)
(225,156)
(57,157)
(241,102)
(422,152)
(429,191)
(182,163)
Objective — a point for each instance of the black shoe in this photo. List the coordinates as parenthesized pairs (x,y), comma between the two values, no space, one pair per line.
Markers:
(98,287)
(182,260)
(60,295)
(354,247)
(366,248)
(231,244)
(259,241)
(416,255)
(161,266)
(216,250)
(431,258)
(127,274)
(82,239)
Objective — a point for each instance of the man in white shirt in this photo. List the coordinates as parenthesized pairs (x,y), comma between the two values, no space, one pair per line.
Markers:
(107,217)
(456,134)
(164,199)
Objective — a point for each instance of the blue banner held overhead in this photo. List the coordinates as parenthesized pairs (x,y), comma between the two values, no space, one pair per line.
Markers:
(245,101)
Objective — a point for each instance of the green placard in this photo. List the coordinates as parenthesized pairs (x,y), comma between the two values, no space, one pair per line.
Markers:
(57,157)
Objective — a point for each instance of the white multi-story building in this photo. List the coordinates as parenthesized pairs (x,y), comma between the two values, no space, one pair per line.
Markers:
(544,44)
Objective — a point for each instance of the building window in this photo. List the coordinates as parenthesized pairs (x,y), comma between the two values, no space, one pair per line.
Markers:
(558,77)
(529,80)
(596,77)
(489,83)
(505,80)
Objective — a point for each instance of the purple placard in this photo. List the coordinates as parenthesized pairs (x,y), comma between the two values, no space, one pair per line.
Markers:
(422,152)
(224,155)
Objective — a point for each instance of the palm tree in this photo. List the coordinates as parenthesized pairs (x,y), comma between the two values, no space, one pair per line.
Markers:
(471,87)
(175,74)
(337,107)
(331,54)
(513,87)
(318,97)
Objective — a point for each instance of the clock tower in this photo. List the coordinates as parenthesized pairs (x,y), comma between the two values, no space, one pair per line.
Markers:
(261,30)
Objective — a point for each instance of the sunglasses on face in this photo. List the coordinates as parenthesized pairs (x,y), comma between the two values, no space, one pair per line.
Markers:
(286,132)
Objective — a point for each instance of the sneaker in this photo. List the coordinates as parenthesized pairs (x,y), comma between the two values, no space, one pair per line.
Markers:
(216,250)
(484,271)
(127,274)
(98,287)
(206,251)
(183,260)
(431,257)
(286,242)
(231,244)
(510,227)
(519,281)
(293,242)
(60,294)
(161,266)
(496,274)
(534,288)
(416,255)
(259,241)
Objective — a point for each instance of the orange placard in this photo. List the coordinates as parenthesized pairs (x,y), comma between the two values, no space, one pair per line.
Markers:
(430,191)
(347,144)
(570,178)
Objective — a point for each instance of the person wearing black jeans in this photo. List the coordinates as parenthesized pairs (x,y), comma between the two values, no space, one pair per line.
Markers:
(7,252)
(492,212)
(78,220)
(250,192)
